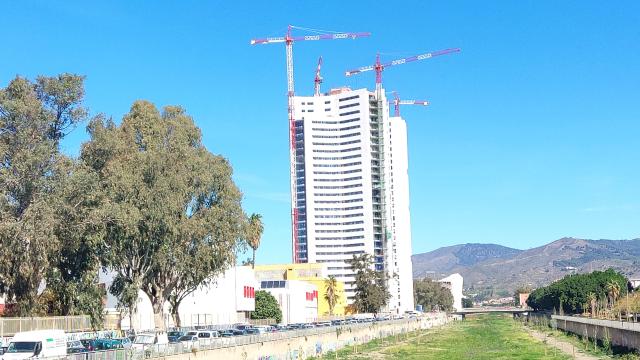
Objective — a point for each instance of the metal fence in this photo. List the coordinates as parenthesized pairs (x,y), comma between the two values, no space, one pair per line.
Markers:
(11,326)
(163,350)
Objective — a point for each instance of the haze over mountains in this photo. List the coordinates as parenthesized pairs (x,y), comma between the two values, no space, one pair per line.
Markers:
(490,266)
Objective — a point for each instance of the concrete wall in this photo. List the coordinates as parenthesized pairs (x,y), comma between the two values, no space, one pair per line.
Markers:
(314,342)
(620,333)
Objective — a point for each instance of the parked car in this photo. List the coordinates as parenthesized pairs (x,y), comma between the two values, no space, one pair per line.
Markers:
(36,344)
(122,343)
(88,344)
(239,332)
(151,342)
(189,342)
(174,336)
(74,347)
(226,333)
(105,344)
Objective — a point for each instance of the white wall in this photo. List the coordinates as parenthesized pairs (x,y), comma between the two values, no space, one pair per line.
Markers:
(455,283)
(295,305)
(400,219)
(222,302)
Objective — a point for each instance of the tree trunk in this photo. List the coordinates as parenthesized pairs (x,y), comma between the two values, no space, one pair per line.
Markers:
(253,261)
(158,316)
(177,322)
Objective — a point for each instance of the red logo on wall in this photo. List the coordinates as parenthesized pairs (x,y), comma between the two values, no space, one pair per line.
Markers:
(249,292)
(312,295)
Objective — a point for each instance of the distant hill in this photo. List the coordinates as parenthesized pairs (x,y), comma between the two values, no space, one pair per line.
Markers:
(490,266)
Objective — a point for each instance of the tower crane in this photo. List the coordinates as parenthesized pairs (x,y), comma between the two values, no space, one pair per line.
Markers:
(318,79)
(288,41)
(397,102)
(379,67)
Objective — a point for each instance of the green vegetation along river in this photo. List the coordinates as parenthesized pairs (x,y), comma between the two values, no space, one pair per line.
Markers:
(477,337)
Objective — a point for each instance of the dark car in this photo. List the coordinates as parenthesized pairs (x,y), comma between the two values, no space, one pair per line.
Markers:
(174,336)
(252,331)
(75,347)
(106,344)
(238,332)
(122,343)
(88,344)
(226,333)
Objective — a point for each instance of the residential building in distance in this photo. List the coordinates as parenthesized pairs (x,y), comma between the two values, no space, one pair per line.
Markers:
(352,188)
(454,283)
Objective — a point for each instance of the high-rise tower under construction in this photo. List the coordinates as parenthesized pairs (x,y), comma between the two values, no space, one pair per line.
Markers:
(352,188)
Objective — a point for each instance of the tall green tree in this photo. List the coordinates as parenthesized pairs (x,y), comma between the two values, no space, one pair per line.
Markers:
(331,293)
(34,117)
(572,293)
(72,278)
(371,293)
(266,307)
(432,295)
(255,228)
(173,216)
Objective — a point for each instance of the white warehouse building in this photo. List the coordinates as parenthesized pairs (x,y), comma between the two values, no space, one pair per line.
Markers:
(227,300)
(352,188)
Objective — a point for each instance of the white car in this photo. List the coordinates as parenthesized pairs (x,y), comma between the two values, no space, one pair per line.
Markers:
(189,342)
(151,342)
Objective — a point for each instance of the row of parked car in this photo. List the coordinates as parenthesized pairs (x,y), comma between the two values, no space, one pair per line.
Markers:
(190,337)
(87,345)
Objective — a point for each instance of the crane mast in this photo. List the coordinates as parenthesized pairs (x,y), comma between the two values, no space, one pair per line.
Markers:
(318,80)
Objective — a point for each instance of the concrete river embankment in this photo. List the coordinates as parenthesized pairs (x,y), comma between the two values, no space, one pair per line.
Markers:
(311,342)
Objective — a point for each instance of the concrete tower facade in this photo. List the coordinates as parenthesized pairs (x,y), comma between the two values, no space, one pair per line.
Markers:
(353,188)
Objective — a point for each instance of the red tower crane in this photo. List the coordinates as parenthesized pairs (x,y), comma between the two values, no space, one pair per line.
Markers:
(397,102)
(288,40)
(379,67)
(318,79)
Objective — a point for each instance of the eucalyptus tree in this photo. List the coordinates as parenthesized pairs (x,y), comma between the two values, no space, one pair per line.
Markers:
(34,118)
(173,218)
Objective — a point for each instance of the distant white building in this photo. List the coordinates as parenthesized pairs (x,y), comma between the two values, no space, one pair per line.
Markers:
(454,282)
(298,299)
(228,300)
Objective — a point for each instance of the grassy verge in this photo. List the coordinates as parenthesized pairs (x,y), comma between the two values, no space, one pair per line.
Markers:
(478,337)
(600,349)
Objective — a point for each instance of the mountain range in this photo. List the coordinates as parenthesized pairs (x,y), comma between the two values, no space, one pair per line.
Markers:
(503,269)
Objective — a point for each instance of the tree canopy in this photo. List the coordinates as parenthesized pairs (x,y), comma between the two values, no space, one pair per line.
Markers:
(432,295)
(578,292)
(371,293)
(47,231)
(266,307)
(173,218)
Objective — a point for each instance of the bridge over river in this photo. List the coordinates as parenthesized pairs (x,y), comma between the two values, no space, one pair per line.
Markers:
(492,309)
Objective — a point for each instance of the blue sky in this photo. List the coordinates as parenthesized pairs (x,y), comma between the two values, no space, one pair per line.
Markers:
(532,135)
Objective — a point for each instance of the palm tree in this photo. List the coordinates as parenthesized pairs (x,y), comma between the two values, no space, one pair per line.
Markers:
(255,228)
(591,298)
(331,292)
(613,290)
